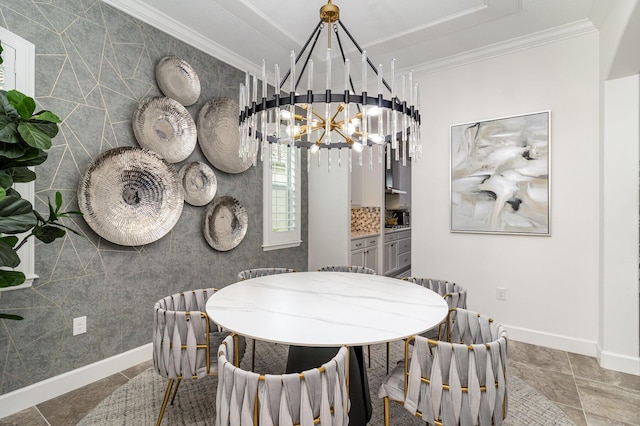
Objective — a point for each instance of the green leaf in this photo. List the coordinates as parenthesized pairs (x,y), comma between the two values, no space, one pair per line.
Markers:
(47,116)
(33,136)
(13,192)
(10,317)
(53,215)
(9,130)
(6,108)
(16,215)
(48,128)
(21,174)
(58,201)
(10,241)
(6,181)
(8,256)
(22,103)
(30,157)
(3,194)
(12,151)
(1,54)
(48,234)
(11,278)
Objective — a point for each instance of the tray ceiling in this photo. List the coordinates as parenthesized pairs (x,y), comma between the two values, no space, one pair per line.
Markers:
(414,32)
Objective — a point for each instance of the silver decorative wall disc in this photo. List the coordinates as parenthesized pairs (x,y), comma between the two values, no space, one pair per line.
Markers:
(198,182)
(225,223)
(130,196)
(219,137)
(178,80)
(165,126)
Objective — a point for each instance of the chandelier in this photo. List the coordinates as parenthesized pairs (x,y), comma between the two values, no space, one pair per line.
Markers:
(334,118)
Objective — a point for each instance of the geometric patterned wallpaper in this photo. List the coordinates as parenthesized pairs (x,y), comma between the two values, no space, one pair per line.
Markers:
(94,64)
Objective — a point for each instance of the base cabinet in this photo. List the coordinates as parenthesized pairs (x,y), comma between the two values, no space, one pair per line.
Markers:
(364,252)
(397,251)
(390,257)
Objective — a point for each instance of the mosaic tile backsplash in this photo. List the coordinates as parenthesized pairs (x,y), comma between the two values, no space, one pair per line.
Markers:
(94,64)
(365,220)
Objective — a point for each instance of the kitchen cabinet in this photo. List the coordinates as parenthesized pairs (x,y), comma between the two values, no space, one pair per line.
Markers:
(397,251)
(364,252)
(390,258)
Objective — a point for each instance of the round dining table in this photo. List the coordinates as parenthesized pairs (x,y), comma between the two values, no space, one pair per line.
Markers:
(316,312)
(326,308)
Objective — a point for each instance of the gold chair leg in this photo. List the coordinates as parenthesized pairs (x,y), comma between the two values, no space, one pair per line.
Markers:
(386,411)
(164,401)
(176,390)
(253,354)
(387,357)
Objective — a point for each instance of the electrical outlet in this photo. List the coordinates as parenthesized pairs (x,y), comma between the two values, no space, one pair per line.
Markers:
(79,325)
(501,293)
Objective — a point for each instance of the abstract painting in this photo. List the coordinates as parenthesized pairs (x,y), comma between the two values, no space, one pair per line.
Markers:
(500,175)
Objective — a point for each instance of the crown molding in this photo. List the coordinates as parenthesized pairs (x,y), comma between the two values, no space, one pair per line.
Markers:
(562,32)
(166,24)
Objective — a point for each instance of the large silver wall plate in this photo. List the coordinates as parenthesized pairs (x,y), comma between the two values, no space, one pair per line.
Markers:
(225,223)
(178,80)
(130,196)
(165,126)
(218,135)
(198,182)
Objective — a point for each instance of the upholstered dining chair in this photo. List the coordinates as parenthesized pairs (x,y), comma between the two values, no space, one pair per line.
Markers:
(254,273)
(454,294)
(340,268)
(462,381)
(185,341)
(261,272)
(315,396)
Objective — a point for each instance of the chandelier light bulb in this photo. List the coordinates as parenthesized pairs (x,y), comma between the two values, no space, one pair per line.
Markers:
(285,115)
(377,139)
(374,111)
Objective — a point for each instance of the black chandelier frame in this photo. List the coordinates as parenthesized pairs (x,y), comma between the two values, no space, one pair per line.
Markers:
(346,97)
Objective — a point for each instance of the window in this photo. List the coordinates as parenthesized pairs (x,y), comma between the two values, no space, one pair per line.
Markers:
(18,72)
(281,191)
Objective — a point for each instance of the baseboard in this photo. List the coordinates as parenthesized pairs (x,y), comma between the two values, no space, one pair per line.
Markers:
(624,363)
(611,361)
(45,390)
(551,340)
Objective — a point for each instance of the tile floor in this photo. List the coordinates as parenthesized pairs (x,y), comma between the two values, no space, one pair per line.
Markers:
(589,394)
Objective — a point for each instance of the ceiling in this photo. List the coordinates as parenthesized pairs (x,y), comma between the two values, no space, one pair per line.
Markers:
(415,32)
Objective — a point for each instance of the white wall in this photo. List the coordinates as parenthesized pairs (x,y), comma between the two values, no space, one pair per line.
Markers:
(551,282)
(619,328)
(619,322)
(329,211)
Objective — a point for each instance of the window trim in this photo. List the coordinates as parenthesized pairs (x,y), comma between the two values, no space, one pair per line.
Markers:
(279,240)
(24,69)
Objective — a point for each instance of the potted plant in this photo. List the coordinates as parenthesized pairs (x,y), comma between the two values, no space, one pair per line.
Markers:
(25,136)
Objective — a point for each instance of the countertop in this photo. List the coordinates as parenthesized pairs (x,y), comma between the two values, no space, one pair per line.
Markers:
(364,234)
(397,229)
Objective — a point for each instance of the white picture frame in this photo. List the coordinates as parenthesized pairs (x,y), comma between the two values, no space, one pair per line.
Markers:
(500,175)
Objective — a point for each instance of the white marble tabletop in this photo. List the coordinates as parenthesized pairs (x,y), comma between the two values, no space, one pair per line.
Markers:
(326,308)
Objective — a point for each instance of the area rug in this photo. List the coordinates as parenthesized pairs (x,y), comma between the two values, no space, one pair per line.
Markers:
(138,401)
